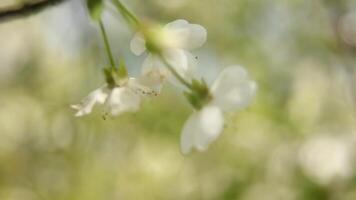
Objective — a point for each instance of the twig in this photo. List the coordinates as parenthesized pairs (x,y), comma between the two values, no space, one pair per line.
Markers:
(26,9)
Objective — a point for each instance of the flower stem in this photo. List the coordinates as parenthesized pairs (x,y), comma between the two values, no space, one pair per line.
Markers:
(174,72)
(107,45)
(126,13)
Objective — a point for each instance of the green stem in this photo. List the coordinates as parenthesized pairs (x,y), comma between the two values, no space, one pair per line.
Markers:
(174,72)
(107,45)
(126,13)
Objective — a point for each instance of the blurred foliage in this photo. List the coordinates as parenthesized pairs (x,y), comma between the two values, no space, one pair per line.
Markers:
(295,142)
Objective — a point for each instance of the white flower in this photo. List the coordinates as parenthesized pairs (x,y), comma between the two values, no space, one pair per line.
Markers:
(121,98)
(175,39)
(233,90)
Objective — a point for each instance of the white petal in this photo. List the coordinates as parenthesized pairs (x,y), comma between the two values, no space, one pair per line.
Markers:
(178,60)
(153,63)
(177,24)
(182,61)
(153,79)
(187,36)
(122,100)
(86,106)
(138,44)
(233,89)
(201,129)
(212,123)
(197,37)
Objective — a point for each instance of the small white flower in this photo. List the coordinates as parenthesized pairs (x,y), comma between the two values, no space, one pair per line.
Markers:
(233,90)
(121,98)
(175,39)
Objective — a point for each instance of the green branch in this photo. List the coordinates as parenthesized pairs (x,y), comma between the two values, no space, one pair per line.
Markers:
(26,9)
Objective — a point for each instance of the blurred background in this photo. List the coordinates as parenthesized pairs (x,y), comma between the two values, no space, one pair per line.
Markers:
(295,142)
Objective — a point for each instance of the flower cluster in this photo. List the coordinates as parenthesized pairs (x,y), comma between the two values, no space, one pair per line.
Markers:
(169,58)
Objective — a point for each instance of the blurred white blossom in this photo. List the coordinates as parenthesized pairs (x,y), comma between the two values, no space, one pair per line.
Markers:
(233,90)
(326,159)
(174,40)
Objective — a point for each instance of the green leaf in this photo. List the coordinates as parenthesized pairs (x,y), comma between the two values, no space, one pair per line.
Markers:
(95,8)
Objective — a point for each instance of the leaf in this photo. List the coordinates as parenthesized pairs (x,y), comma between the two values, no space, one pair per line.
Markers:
(95,8)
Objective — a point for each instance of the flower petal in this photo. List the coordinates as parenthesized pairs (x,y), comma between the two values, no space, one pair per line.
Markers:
(153,80)
(138,44)
(178,60)
(182,61)
(233,89)
(190,36)
(122,100)
(86,106)
(177,24)
(201,129)
(153,63)
(197,37)
(211,120)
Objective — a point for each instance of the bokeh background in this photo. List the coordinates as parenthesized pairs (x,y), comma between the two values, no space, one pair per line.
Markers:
(295,142)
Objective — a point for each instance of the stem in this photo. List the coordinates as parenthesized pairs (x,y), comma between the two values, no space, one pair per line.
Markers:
(107,45)
(126,13)
(174,72)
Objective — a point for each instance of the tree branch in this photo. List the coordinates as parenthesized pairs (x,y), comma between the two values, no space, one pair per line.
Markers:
(26,9)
